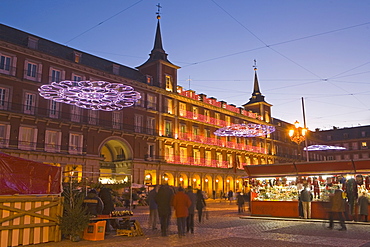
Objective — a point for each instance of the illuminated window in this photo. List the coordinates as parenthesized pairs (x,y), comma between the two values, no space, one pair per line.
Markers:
(219,159)
(195,112)
(168,153)
(229,159)
(196,155)
(168,128)
(169,106)
(217,116)
(228,120)
(169,85)
(183,155)
(77,56)
(182,107)
(149,80)
(152,102)
(151,150)
(364,144)
(207,116)
(208,157)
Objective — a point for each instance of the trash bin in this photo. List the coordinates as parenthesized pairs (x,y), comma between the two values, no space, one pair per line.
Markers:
(95,231)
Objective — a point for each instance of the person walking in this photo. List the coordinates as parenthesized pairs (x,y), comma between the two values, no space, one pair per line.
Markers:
(181,203)
(306,198)
(163,200)
(153,208)
(200,204)
(337,208)
(230,196)
(363,204)
(240,201)
(190,218)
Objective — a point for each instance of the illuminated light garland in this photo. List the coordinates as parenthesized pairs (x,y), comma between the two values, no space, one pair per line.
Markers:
(245,130)
(92,95)
(323,148)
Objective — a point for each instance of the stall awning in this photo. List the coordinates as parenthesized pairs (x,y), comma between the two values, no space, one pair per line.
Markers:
(21,176)
(309,168)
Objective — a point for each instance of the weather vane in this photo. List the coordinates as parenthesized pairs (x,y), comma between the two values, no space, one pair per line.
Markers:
(255,64)
(159,11)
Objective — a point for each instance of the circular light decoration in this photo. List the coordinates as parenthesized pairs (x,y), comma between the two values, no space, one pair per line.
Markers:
(92,95)
(245,130)
(323,148)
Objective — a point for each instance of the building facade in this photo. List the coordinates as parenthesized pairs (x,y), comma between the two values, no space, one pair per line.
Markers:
(166,137)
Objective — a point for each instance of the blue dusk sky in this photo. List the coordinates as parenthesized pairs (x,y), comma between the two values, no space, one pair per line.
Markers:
(317,49)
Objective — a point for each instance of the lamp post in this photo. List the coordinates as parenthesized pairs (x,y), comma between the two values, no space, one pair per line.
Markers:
(298,134)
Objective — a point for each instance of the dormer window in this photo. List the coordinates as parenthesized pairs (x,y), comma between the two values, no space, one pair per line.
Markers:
(115,69)
(149,80)
(77,56)
(33,42)
(169,85)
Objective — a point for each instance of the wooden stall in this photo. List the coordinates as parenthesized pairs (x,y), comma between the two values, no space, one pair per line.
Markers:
(281,207)
(30,202)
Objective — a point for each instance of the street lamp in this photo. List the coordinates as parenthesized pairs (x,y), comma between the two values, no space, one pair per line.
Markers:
(298,134)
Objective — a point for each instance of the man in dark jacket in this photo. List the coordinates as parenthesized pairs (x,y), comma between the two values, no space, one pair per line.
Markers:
(190,218)
(163,200)
(93,203)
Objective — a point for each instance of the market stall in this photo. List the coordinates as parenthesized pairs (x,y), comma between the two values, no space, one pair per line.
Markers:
(275,188)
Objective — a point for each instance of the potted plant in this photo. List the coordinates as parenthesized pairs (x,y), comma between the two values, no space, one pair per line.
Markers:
(75,218)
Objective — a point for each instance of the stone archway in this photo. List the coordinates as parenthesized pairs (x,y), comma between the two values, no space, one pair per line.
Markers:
(118,155)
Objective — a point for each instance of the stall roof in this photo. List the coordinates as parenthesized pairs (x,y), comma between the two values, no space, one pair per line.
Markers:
(25,177)
(309,168)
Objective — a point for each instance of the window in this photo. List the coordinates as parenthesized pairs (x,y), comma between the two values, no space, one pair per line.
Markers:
(52,140)
(75,113)
(76,77)
(228,120)
(141,101)
(363,133)
(4,98)
(169,85)
(7,64)
(345,135)
(183,155)
(217,116)
(29,103)
(152,102)
(169,106)
(150,125)
(151,150)
(56,75)
(229,158)
(196,155)
(208,158)
(207,116)
(27,138)
(92,117)
(115,69)
(138,123)
(75,143)
(219,159)
(182,107)
(195,131)
(32,71)
(149,80)
(364,145)
(4,135)
(54,109)
(328,138)
(195,112)
(207,133)
(33,42)
(354,145)
(77,56)
(116,119)
(168,128)
(168,153)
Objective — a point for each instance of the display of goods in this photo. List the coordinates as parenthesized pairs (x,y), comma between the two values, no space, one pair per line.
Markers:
(122,213)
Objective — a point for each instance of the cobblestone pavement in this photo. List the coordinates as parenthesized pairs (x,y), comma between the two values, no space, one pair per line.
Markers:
(225,227)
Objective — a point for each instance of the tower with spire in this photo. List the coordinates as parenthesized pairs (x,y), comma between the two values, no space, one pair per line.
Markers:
(159,70)
(257,102)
